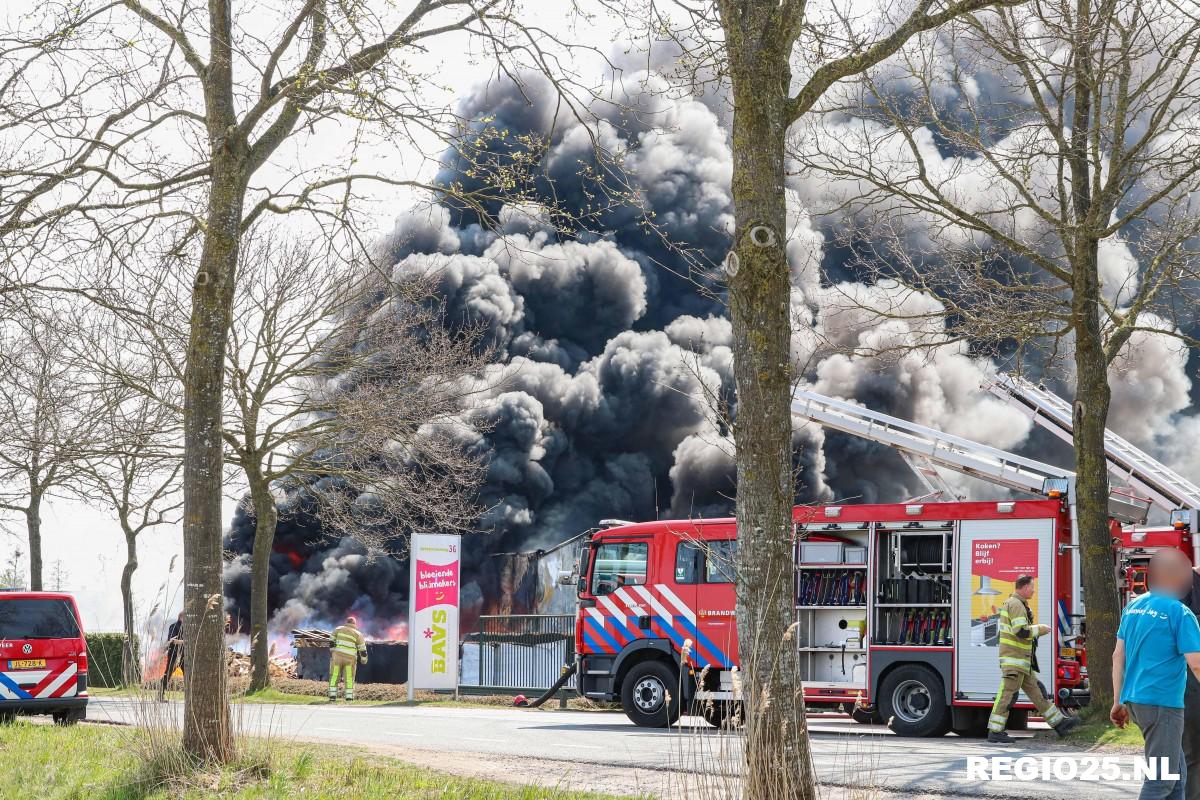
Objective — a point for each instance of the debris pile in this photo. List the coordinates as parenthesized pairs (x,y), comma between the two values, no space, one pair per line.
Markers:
(312,637)
(238,665)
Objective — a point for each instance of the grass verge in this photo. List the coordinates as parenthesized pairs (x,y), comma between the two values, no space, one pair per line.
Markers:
(292,691)
(1103,733)
(91,761)
(1097,732)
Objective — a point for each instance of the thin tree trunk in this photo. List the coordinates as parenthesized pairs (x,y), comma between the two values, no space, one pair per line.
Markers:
(266,516)
(778,760)
(33,524)
(130,669)
(1092,392)
(1092,397)
(207,734)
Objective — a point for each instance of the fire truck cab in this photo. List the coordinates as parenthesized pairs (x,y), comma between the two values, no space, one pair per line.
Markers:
(897,609)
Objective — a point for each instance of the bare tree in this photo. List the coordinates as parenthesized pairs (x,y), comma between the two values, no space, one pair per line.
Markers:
(205,95)
(322,386)
(12,573)
(1069,223)
(135,471)
(47,424)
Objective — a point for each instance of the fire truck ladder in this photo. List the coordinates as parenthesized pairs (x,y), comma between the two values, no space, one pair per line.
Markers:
(935,483)
(1166,488)
(930,448)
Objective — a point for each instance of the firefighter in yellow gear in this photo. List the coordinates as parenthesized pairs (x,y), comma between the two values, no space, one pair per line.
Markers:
(349,650)
(1018,666)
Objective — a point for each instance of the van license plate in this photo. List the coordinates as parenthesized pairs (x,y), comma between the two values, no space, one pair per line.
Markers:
(28,663)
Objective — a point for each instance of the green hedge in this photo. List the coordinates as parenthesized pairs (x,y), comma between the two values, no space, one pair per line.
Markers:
(104,658)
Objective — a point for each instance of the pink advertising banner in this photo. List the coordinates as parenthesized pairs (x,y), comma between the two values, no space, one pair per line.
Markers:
(433,622)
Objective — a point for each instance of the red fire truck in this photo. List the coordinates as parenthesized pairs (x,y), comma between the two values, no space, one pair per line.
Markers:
(896,609)
(896,604)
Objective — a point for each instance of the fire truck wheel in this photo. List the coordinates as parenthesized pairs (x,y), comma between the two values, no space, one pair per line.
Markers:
(976,723)
(8,717)
(723,714)
(1018,719)
(714,712)
(863,715)
(912,700)
(649,695)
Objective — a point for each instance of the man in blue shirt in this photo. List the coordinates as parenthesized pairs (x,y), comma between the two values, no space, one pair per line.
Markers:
(1158,641)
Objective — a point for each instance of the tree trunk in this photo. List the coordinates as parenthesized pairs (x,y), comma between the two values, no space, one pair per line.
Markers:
(1092,396)
(33,524)
(266,515)
(778,762)
(1092,393)
(130,668)
(207,734)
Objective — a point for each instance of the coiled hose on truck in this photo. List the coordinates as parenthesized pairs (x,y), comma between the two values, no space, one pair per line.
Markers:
(567,671)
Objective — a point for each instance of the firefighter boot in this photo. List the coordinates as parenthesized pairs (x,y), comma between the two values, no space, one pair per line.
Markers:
(334,670)
(999,737)
(1066,726)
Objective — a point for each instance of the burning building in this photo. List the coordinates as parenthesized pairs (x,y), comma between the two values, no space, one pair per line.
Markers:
(387,662)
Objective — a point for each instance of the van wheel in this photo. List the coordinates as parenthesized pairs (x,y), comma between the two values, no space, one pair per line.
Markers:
(912,700)
(67,717)
(650,695)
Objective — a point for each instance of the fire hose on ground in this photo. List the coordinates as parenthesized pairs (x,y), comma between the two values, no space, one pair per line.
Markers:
(567,671)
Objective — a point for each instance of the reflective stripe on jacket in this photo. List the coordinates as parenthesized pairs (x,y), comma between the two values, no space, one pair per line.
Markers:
(1016,635)
(349,641)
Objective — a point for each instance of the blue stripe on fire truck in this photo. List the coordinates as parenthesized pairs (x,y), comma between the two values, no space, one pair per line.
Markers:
(592,643)
(669,629)
(1064,619)
(702,640)
(605,635)
(10,687)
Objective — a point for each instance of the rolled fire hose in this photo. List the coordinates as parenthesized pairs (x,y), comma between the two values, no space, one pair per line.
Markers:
(567,672)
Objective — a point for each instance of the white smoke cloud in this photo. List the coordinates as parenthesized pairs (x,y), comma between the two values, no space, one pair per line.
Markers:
(1150,386)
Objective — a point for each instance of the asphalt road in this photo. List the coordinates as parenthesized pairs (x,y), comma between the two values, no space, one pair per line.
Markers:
(603,751)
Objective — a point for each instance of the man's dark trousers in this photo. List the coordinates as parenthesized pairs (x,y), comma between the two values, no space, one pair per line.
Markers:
(1162,728)
(1191,710)
(174,653)
(1191,736)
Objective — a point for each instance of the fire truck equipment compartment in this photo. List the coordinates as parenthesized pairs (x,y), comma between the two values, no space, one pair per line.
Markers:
(822,553)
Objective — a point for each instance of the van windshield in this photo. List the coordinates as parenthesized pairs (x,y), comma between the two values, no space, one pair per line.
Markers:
(37,619)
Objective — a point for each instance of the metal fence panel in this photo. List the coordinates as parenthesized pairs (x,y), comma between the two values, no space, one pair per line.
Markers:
(518,652)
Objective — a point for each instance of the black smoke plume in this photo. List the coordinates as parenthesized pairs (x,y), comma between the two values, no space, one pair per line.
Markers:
(614,352)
